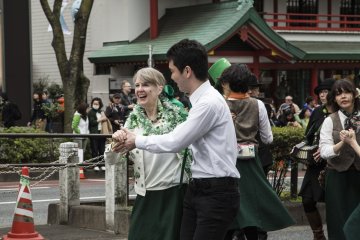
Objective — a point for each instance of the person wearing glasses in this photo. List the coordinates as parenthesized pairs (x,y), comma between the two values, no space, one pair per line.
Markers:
(126,97)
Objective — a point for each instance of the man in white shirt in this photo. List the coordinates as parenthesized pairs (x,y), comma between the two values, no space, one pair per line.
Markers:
(212,198)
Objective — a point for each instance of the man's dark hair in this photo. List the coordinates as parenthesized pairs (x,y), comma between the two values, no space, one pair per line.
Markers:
(237,76)
(190,53)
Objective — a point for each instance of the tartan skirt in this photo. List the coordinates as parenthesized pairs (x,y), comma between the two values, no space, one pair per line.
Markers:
(157,215)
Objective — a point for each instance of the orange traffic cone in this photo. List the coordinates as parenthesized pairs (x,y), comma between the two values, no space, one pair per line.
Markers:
(81,173)
(23,222)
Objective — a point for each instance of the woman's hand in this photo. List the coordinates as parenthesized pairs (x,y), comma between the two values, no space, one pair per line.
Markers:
(348,136)
(123,141)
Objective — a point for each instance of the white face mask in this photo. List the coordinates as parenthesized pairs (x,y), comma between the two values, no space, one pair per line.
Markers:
(96,107)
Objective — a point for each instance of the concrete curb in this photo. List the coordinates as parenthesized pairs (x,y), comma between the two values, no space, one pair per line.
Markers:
(92,216)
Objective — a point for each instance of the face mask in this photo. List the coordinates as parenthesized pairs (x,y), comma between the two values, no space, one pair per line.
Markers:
(96,107)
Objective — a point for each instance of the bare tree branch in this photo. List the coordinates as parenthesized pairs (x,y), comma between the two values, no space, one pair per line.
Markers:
(75,83)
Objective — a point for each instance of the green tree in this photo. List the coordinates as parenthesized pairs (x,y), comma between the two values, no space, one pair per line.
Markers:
(75,83)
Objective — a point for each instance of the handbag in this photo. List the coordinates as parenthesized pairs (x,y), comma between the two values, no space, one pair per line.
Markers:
(245,151)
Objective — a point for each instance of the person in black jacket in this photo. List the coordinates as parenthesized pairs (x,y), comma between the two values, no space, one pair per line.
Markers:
(311,191)
(96,117)
(10,112)
(38,117)
(116,112)
(127,99)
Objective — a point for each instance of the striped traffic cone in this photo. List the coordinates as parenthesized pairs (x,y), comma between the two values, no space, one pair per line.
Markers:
(81,173)
(23,222)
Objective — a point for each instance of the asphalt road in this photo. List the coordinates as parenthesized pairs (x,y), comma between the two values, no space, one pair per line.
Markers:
(42,195)
(92,190)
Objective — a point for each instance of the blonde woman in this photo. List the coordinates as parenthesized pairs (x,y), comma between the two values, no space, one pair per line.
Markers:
(158,206)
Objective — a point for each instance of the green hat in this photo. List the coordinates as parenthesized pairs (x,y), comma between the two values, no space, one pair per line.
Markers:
(217,68)
(169,91)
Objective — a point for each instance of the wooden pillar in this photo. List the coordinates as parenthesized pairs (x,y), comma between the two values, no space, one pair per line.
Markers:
(256,66)
(329,12)
(314,81)
(275,10)
(154,26)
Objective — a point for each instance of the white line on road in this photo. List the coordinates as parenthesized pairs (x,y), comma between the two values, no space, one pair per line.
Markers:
(12,189)
(95,180)
(54,200)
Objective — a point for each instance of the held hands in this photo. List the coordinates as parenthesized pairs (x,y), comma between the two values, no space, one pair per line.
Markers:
(348,136)
(123,141)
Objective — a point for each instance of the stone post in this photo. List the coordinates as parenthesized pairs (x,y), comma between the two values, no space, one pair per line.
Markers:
(116,193)
(81,147)
(69,180)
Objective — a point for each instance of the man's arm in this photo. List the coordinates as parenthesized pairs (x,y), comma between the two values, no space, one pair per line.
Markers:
(201,119)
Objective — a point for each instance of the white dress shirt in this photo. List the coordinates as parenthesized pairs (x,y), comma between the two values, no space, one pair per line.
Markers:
(210,132)
(326,143)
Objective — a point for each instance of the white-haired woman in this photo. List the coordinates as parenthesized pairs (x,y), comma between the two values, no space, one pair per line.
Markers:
(158,206)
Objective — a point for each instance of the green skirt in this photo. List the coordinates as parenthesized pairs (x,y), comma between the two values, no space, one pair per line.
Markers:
(157,216)
(342,196)
(259,204)
(351,227)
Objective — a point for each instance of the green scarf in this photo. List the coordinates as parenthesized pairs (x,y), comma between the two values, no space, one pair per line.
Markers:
(169,116)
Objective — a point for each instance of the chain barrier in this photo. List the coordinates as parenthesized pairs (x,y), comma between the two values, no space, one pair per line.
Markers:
(48,172)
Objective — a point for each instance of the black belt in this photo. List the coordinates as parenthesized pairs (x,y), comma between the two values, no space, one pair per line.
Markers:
(213,182)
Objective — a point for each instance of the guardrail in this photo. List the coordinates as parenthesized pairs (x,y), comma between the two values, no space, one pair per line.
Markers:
(116,176)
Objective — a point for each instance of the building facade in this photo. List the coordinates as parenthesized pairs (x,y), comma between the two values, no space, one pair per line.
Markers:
(290,45)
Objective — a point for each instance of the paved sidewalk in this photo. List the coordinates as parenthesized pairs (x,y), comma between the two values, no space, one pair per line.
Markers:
(63,232)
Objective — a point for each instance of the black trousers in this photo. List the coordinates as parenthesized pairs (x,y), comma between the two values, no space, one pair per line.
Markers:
(97,146)
(210,206)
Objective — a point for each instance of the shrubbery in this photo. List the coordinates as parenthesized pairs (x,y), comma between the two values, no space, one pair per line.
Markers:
(285,139)
(28,150)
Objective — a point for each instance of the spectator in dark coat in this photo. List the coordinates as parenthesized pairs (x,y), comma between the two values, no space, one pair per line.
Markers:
(10,112)
(126,97)
(116,112)
(38,117)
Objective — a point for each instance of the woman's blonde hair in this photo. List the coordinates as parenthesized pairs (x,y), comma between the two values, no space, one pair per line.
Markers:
(151,76)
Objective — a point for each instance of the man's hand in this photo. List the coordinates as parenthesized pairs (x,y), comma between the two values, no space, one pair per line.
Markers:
(123,141)
(316,155)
